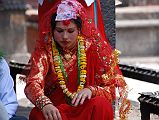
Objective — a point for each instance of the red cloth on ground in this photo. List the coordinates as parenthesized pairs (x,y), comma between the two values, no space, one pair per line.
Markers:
(98,108)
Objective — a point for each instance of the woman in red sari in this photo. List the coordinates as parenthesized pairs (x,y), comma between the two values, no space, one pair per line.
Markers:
(74,71)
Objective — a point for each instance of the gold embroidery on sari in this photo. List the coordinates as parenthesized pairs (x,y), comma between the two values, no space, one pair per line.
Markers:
(111,75)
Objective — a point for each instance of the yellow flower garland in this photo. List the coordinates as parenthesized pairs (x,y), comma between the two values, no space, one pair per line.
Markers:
(82,65)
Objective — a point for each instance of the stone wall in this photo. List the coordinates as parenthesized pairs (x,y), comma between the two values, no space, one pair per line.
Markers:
(138,40)
(137,29)
(139,2)
(12,32)
(134,24)
(143,2)
(31,29)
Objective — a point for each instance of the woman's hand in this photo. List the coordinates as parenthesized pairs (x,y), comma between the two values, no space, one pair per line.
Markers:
(81,96)
(50,112)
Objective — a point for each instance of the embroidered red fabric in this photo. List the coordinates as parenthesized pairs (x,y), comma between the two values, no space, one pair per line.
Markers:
(103,73)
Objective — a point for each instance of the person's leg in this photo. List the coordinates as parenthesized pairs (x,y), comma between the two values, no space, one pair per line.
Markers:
(102,109)
(3,112)
(36,114)
(97,108)
(18,118)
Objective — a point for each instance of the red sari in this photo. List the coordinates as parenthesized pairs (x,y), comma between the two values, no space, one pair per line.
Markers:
(103,75)
(97,108)
(46,78)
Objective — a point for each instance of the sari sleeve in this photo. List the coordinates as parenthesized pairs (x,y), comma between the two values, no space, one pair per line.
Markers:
(34,89)
(107,76)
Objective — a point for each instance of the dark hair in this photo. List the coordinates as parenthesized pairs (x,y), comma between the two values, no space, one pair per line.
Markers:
(77,21)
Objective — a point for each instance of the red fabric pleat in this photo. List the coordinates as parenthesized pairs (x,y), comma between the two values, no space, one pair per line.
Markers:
(98,108)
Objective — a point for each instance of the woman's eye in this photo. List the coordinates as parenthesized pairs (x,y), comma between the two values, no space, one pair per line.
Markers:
(59,31)
(70,31)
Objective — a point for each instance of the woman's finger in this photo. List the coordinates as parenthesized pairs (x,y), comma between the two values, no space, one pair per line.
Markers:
(50,117)
(84,96)
(89,96)
(74,98)
(46,116)
(54,115)
(78,99)
(59,115)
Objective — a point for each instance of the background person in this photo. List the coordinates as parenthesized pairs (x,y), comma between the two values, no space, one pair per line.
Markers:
(8,99)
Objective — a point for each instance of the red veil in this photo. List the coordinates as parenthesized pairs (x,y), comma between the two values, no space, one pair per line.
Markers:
(107,55)
(46,6)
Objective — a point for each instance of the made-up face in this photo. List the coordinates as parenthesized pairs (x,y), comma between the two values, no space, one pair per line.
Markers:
(66,35)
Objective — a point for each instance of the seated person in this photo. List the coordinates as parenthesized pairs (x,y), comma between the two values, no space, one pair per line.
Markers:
(74,70)
(8,100)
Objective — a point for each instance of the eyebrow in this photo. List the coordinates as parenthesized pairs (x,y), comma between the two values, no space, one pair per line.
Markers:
(65,29)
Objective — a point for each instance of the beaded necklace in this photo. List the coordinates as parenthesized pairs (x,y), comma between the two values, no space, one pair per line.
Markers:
(61,73)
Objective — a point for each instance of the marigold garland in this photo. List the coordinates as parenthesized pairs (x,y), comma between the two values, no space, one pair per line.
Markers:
(82,64)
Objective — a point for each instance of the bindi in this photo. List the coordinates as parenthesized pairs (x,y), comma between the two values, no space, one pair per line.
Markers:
(66,22)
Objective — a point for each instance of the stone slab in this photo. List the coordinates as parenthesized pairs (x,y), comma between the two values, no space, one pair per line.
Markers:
(137,12)
(143,2)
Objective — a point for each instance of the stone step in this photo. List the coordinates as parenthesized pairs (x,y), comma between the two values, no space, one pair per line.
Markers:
(144,23)
(143,2)
(137,30)
(137,12)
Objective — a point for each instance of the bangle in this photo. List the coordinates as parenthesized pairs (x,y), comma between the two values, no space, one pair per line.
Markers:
(42,101)
(45,105)
(92,89)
